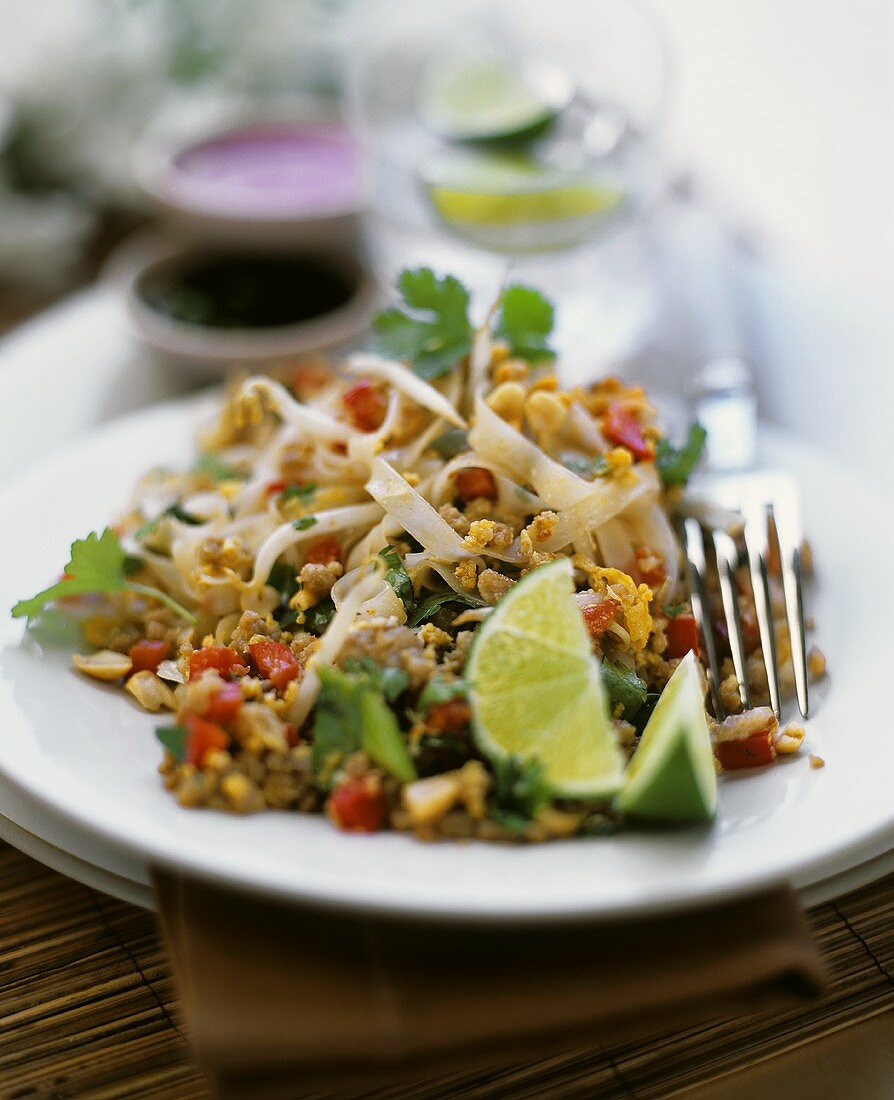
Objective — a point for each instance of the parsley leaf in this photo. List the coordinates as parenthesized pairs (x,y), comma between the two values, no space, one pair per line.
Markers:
(520,790)
(625,689)
(305,523)
(526,320)
(675,465)
(451,443)
(428,608)
(98,564)
(436,332)
(398,577)
(174,740)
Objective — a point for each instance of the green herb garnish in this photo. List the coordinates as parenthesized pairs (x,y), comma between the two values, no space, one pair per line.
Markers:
(297,492)
(399,579)
(451,443)
(438,690)
(318,617)
(520,790)
(176,511)
(674,609)
(676,465)
(174,739)
(585,467)
(392,682)
(305,523)
(215,467)
(352,714)
(436,332)
(525,322)
(432,604)
(98,564)
(625,689)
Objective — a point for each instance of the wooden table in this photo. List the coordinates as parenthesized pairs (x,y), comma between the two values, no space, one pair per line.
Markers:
(87,1010)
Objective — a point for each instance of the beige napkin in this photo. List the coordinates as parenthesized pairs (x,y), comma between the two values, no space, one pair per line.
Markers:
(286,1001)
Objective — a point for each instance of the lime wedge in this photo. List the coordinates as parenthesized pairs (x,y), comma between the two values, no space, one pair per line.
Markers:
(512,202)
(671,776)
(483,99)
(536,690)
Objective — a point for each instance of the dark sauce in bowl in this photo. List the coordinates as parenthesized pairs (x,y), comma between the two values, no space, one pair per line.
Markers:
(247,291)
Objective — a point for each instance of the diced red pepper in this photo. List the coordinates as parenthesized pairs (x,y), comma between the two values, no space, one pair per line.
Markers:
(622,428)
(202,737)
(598,617)
(650,567)
(682,636)
(324,550)
(274,487)
(225,704)
(750,752)
(275,662)
(293,737)
(450,717)
(217,657)
(147,655)
(366,405)
(359,805)
(474,482)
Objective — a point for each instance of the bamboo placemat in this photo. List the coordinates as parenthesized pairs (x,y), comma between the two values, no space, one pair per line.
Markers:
(87,1008)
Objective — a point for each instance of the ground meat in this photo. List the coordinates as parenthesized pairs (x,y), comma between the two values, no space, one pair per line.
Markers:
(455,518)
(217,557)
(316,582)
(251,624)
(493,586)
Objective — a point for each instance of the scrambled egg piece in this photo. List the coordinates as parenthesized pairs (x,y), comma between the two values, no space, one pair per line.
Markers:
(634,599)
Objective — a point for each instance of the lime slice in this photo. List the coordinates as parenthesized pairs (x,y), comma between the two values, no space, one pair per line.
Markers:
(483,99)
(536,690)
(671,776)
(512,202)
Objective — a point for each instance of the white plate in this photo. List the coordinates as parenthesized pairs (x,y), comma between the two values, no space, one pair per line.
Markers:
(88,754)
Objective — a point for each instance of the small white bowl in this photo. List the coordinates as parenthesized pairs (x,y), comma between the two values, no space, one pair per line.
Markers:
(213,351)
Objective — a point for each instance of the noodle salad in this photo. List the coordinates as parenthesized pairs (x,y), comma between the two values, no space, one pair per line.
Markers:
(307,599)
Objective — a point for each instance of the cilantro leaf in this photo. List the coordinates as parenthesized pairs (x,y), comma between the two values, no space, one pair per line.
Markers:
(674,609)
(625,689)
(174,740)
(520,790)
(297,492)
(526,321)
(427,609)
(177,511)
(305,523)
(213,466)
(451,443)
(318,617)
(675,465)
(392,682)
(398,577)
(352,713)
(438,690)
(436,332)
(585,467)
(98,564)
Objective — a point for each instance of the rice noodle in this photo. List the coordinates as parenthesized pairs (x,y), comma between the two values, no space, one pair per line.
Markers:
(404,381)
(307,418)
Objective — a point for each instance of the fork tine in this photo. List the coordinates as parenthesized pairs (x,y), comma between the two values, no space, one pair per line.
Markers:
(727,563)
(695,556)
(789,543)
(756,547)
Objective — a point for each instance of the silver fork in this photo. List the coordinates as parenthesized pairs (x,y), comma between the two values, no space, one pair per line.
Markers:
(762,505)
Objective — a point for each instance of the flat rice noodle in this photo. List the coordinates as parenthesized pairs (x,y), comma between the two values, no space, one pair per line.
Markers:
(409,384)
